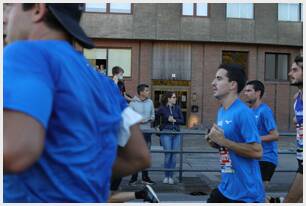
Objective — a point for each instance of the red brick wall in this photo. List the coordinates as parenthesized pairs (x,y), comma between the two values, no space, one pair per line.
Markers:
(206,58)
(146,52)
(197,77)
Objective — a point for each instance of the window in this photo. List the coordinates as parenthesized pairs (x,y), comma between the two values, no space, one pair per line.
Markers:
(187,9)
(235,57)
(110,57)
(120,8)
(241,10)
(302,16)
(171,61)
(289,12)
(195,9)
(95,7)
(109,8)
(120,57)
(276,66)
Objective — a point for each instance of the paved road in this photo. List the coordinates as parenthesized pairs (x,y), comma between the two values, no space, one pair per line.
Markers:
(201,183)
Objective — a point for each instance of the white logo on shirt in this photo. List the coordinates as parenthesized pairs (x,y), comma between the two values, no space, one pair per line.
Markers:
(228,121)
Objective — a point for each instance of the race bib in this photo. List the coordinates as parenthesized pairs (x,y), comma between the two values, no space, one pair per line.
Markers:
(299,141)
(225,161)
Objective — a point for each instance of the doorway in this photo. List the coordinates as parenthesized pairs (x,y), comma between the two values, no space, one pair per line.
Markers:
(181,89)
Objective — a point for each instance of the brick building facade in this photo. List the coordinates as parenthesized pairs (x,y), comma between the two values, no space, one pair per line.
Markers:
(171,51)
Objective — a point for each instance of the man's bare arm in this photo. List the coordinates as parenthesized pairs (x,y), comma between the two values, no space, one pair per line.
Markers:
(133,157)
(249,150)
(272,136)
(23,141)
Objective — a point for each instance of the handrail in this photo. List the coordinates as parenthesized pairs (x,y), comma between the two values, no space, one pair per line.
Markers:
(181,151)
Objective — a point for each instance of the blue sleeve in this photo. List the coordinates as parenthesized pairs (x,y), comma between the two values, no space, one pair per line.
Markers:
(268,120)
(27,84)
(159,111)
(180,120)
(248,128)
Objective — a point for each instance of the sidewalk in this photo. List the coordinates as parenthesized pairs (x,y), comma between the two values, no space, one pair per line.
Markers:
(201,183)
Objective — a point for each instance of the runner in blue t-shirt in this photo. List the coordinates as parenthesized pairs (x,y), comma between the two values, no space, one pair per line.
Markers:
(254,91)
(62,120)
(237,138)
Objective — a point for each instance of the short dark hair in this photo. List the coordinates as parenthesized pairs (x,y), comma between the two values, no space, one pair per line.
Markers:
(258,86)
(299,61)
(50,20)
(116,70)
(165,97)
(235,72)
(141,88)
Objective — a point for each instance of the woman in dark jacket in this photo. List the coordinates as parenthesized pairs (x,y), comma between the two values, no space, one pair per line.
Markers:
(172,117)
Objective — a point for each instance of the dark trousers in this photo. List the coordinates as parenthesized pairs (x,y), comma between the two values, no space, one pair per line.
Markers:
(217,197)
(145,173)
(115,183)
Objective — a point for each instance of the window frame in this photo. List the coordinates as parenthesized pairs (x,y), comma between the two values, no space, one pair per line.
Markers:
(300,13)
(107,10)
(107,59)
(276,67)
(239,51)
(195,11)
(86,11)
(253,18)
(126,48)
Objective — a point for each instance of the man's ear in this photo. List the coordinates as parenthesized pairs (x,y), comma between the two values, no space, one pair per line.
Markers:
(258,93)
(234,85)
(38,12)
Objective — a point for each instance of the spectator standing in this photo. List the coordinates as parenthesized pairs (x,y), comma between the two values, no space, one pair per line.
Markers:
(172,118)
(143,105)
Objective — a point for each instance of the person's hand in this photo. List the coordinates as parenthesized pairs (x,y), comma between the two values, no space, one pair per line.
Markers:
(211,143)
(216,135)
(171,119)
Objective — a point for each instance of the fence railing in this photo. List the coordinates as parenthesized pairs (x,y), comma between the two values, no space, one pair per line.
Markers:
(181,152)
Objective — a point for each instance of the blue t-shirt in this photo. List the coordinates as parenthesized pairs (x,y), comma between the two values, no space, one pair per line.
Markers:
(80,110)
(241,179)
(265,124)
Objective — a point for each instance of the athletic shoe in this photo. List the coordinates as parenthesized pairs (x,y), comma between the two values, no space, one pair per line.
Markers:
(150,195)
(171,181)
(147,181)
(166,180)
(132,182)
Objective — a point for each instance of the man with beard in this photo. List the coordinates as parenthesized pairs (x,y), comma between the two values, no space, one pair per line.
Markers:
(295,193)
(237,138)
(254,91)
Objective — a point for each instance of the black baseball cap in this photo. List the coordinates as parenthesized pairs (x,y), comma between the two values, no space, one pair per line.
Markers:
(69,15)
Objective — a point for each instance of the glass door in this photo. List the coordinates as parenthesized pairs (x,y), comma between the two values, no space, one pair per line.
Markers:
(182,94)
